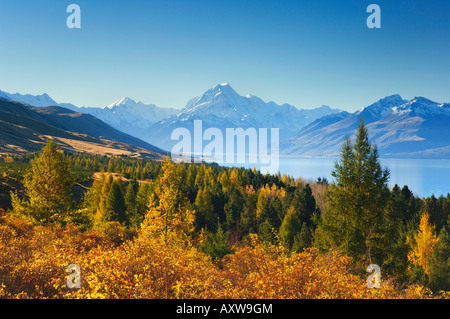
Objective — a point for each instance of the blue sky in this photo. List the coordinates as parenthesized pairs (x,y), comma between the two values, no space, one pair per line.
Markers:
(306,53)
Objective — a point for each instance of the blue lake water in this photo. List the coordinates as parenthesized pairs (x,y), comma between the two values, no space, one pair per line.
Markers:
(423,177)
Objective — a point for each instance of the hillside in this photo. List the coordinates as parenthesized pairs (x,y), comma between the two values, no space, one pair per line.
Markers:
(24,129)
(417,128)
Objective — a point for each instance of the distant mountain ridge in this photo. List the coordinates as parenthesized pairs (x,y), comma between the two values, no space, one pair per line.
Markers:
(24,128)
(35,100)
(418,128)
(222,107)
(130,116)
(125,114)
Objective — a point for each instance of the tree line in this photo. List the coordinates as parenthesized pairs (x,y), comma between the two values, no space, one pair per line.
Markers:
(220,208)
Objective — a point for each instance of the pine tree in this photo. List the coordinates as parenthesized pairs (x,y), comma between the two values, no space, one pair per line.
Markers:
(261,208)
(275,207)
(356,203)
(115,203)
(439,263)
(130,198)
(205,215)
(248,215)
(233,208)
(216,244)
(303,239)
(290,228)
(266,232)
(48,184)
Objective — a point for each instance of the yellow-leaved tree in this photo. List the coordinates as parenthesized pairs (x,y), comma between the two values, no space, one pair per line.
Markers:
(169,216)
(423,243)
(48,183)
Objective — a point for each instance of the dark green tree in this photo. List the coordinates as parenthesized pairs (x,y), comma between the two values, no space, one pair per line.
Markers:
(439,263)
(290,228)
(248,216)
(303,239)
(275,206)
(356,203)
(266,232)
(130,198)
(204,211)
(233,208)
(216,244)
(115,203)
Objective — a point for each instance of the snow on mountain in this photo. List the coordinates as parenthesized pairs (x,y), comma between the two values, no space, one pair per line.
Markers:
(381,108)
(247,111)
(125,114)
(35,100)
(399,128)
(126,111)
(222,107)
(130,116)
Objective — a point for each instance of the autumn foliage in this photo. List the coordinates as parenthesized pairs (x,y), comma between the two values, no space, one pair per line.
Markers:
(34,261)
(198,231)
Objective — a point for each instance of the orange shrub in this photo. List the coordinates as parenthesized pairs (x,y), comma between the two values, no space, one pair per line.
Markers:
(34,262)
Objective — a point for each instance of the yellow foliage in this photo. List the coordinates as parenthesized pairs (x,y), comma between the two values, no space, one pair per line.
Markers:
(424,242)
(168,215)
(34,265)
(273,191)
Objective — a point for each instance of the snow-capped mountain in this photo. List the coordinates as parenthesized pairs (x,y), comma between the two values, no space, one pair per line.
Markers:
(125,114)
(222,107)
(400,128)
(35,100)
(130,116)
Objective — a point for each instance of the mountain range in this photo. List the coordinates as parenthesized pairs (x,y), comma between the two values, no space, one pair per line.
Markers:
(222,107)
(25,128)
(129,116)
(416,128)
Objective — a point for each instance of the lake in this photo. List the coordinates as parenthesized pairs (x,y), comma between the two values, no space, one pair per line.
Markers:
(423,177)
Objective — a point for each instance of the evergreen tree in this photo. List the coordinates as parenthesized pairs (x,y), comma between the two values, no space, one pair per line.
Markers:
(439,263)
(274,209)
(216,244)
(356,203)
(233,208)
(305,204)
(290,228)
(48,184)
(115,203)
(131,204)
(303,239)
(248,216)
(130,198)
(261,208)
(266,232)
(205,215)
